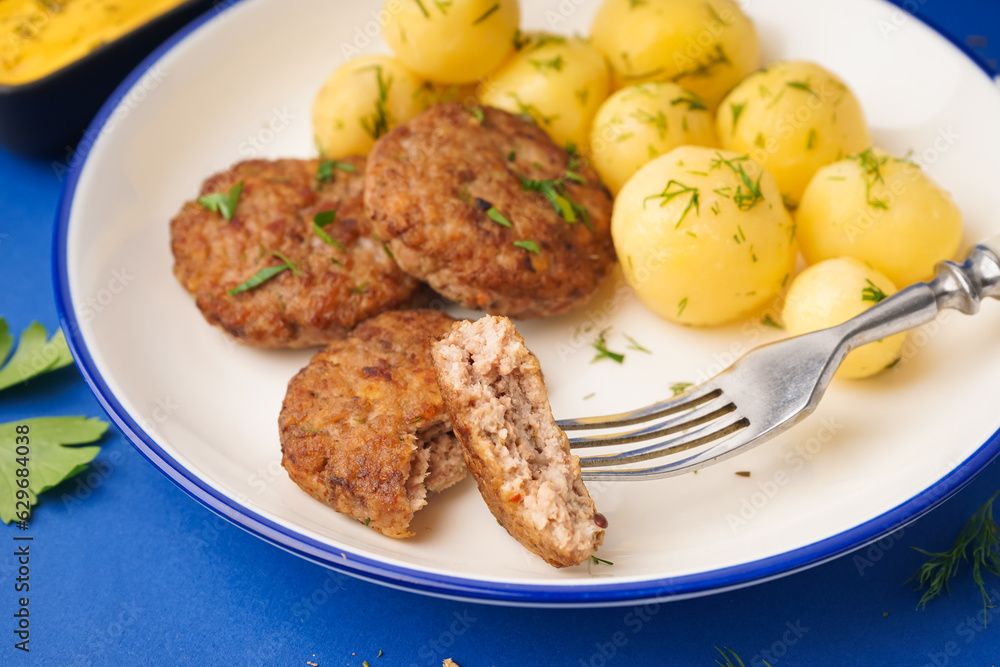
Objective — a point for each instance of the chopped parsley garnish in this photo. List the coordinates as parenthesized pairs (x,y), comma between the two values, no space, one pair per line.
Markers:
(423,9)
(528,245)
(694,103)
(872,293)
(377,124)
(575,177)
(811,141)
(737,110)
(555,192)
(224,203)
(266,274)
(768,321)
(476,113)
(321,220)
(803,86)
(681,305)
(360,289)
(679,388)
(744,200)
(704,69)
(489,12)
(601,345)
(325,171)
(676,189)
(633,345)
(531,111)
(498,217)
(659,121)
(553,64)
(368,521)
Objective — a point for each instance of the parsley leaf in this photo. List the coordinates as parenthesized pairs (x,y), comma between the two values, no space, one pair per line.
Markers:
(266,274)
(528,245)
(34,355)
(223,203)
(49,459)
(498,217)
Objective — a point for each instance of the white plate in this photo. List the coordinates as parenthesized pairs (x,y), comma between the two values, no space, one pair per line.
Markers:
(203,410)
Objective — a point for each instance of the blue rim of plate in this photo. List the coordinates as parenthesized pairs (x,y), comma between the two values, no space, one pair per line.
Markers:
(428,583)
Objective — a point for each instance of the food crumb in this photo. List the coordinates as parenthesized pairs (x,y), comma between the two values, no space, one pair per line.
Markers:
(379,653)
(448,662)
(312,663)
(743,473)
(885,614)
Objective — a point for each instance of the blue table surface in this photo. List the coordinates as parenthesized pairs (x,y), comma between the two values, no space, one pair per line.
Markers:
(126,567)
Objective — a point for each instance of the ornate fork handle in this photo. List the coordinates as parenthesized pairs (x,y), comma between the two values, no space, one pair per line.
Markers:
(958,286)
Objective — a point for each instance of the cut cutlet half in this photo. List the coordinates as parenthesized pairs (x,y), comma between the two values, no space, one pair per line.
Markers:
(495,397)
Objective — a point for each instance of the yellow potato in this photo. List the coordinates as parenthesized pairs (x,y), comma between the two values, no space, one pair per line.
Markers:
(642,122)
(707,46)
(793,118)
(360,102)
(885,211)
(561,82)
(456,41)
(702,236)
(833,292)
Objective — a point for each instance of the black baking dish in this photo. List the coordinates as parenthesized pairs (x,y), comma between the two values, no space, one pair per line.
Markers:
(46,117)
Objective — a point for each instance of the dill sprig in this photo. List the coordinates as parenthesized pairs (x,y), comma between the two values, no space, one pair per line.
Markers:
(378,123)
(601,345)
(872,293)
(679,388)
(678,189)
(744,200)
(979,532)
(694,102)
(555,191)
(872,166)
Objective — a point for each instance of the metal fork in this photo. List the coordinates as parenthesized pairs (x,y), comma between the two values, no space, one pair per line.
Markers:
(773,387)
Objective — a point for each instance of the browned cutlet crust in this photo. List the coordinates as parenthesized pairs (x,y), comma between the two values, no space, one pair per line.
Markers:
(275,213)
(431,182)
(496,399)
(355,422)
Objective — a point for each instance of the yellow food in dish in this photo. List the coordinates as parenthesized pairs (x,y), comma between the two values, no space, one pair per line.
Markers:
(640,123)
(39,38)
(707,46)
(362,101)
(882,210)
(452,42)
(792,118)
(833,292)
(559,81)
(702,236)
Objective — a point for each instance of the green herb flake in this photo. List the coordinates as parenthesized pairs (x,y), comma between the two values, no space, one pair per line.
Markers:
(321,220)
(673,190)
(744,200)
(803,86)
(555,64)
(601,345)
(590,396)
(377,124)
(476,113)
(555,192)
(266,274)
(737,110)
(769,321)
(872,166)
(489,12)
(498,217)
(633,345)
(36,354)
(679,388)
(423,9)
(681,305)
(528,245)
(368,521)
(694,102)
(872,293)
(812,139)
(224,203)
(600,561)
(360,289)
(327,167)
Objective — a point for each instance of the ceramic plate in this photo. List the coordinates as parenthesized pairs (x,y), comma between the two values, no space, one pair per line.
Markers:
(239,83)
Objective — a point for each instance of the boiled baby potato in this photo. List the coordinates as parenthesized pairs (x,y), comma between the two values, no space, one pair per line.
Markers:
(642,122)
(459,41)
(360,102)
(792,118)
(885,211)
(833,292)
(561,82)
(707,46)
(702,236)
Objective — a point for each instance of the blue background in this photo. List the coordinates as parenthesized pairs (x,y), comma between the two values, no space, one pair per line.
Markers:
(126,567)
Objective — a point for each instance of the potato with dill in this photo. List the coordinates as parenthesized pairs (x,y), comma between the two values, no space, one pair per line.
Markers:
(792,118)
(559,81)
(639,123)
(883,210)
(361,101)
(702,236)
(452,42)
(833,292)
(707,46)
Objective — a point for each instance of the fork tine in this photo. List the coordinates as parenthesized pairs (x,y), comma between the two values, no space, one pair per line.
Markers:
(710,433)
(708,411)
(690,399)
(720,452)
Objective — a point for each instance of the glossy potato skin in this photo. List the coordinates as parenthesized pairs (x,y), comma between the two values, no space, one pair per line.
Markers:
(456,42)
(882,210)
(361,101)
(641,122)
(707,46)
(793,118)
(709,261)
(832,292)
(559,81)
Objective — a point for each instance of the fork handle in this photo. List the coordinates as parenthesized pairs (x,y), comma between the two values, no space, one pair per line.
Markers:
(959,286)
